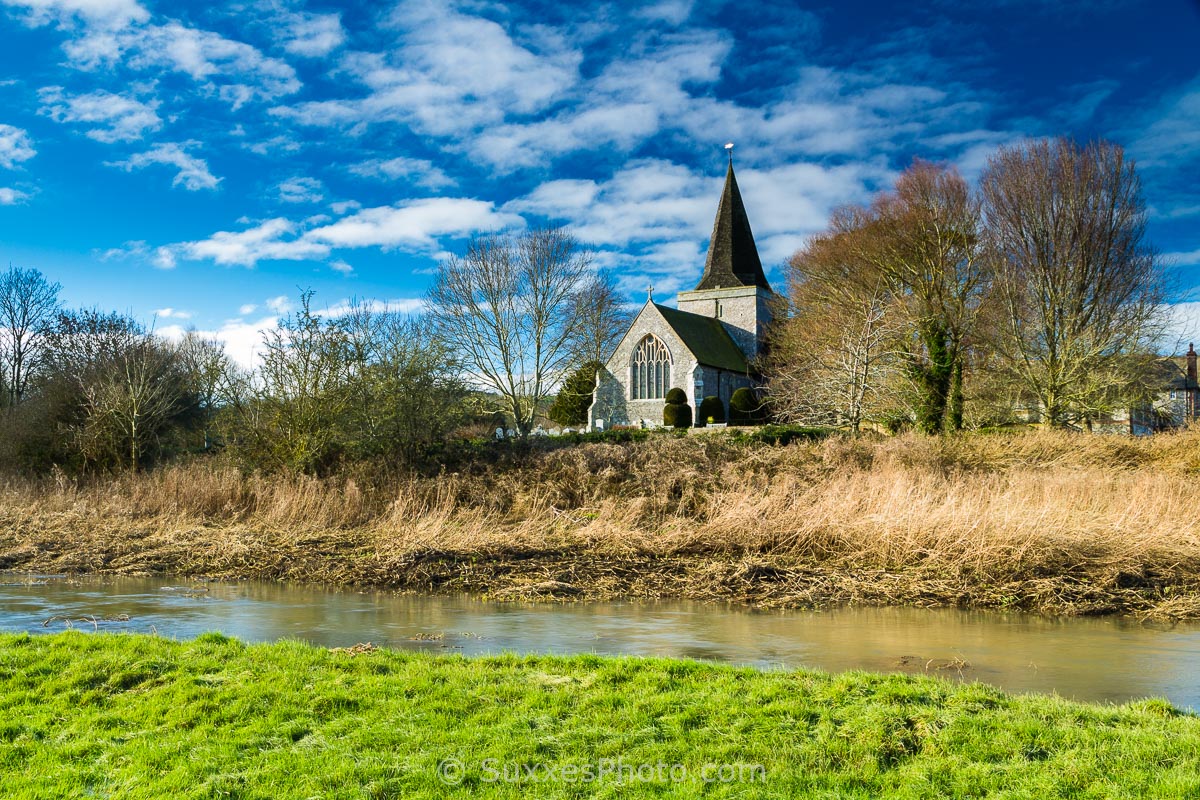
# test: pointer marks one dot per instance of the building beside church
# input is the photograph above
(706, 345)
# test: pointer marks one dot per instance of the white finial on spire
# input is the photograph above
(650, 293)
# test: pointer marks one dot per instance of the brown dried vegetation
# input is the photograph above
(1045, 521)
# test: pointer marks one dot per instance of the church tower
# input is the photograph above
(733, 288)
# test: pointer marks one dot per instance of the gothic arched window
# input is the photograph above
(650, 370)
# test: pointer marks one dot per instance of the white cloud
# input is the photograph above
(1183, 324)
(674, 12)
(242, 340)
(275, 145)
(420, 171)
(113, 117)
(15, 146)
(280, 305)
(311, 35)
(248, 308)
(452, 72)
(10, 196)
(233, 70)
(657, 215)
(414, 225)
(1169, 136)
(402, 305)
(272, 239)
(164, 258)
(172, 313)
(193, 172)
(1181, 259)
(301, 190)
(98, 12)
(342, 267)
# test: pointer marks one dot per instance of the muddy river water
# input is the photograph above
(1096, 659)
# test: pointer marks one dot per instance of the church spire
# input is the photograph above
(732, 257)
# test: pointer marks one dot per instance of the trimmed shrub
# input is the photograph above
(786, 434)
(710, 406)
(677, 397)
(745, 408)
(677, 415)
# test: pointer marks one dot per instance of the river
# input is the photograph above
(1094, 659)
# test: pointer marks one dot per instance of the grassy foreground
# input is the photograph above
(1042, 521)
(143, 717)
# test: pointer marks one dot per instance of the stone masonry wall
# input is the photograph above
(611, 401)
(745, 311)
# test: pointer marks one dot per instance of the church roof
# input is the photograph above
(706, 338)
(732, 256)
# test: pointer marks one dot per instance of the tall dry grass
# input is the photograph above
(1045, 520)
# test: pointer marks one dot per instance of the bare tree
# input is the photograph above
(603, 319)
(832, 361)
(924, 239)
(1081, 291)
(207, 367)
(28, 305)
(291, 411)
(119, 389)
(131, 401)
(508, 308)
(406, 391)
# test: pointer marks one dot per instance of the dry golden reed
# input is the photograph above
(1046, 521)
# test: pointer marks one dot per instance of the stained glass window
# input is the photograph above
(650, 370)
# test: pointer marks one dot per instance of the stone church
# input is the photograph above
(706, 345)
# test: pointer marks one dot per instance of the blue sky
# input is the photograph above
(198, 165)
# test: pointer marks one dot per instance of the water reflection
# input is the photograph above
(1088, 659)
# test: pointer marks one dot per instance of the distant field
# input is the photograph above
(1042, 521)
(98, 715)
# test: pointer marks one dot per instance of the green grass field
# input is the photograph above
(86, 715)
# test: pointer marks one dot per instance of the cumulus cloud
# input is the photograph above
(242, 340)
(15, 146)
(109, 117)
(1181, 259)
(301, 190)
(414, 225)
(655, 216)
(108, 13)
(280, 305)
(270, 240)
(235, 71)
(193, 173)
(11, 197)
(451, 72)
(311, 35)
(172, 313)
(402, 305)
(247, 308)
(419, 171)
(1183, 325)
(1169, 133)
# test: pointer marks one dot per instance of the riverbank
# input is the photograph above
(146, 717)
(1046, 522)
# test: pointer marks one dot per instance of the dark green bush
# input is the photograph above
(710, 406)
(677, 415)
(745, 408)
(677, 397)
(786, 434)
(575, 398)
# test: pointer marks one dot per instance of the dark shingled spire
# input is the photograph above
(732, 257)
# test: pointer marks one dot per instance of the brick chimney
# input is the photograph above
(1191, 365)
